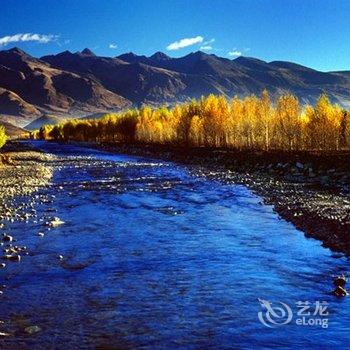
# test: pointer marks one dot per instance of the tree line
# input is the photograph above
(215, 121)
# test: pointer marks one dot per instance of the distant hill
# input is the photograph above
(13, 131)
(93, 116)
(44, 120)
(81, 83)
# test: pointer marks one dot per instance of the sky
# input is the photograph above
(314, 33)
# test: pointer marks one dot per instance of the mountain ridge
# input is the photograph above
(83, 83)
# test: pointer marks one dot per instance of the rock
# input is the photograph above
(324, 180)
(32, 330)
(56, 222)
(2, 265)
(7, 238)
(299, 165)
(41, 234)
(60, 257)
(311, 173)
(340, 292)
(12, 257)
(4, 335)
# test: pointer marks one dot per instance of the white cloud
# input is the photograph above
(113, 46)
(235, 53)
(208, 42)
(206, 47)
(40, 38)
(184, 43)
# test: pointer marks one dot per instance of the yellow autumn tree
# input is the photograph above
(253, 123)
(324, 125)
(265, 119)
(3, 137)
(288, 123)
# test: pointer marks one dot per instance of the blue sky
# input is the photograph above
(310, 32)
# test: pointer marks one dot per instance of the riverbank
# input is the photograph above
(310, 190)
(24, 171)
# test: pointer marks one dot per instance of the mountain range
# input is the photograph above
(78, 84)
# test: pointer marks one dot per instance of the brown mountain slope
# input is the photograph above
(137, 82)
(13, 131)
(245, 75)
(160, 78)
(143, 80)
(49, 88)
(12, 104)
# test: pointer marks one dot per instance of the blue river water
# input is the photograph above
(155, 257)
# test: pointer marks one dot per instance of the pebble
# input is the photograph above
(55, 222)
(299, 165)
(4, 335)
(32, 330)
(7, 238)
(12, 257)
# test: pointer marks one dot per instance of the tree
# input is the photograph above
(288, 123)
(3, 137)
(44, 132)
(56, 133)
(184, 115)
(248, 121)
(324, 125)
(344, 141)
(265, 116)
(251, 123)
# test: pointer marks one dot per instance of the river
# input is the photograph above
(155, 257)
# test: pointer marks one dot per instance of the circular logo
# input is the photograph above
(274, 315)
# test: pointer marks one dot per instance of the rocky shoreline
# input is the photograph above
(23, 171)
(27, 172)
(310, 190)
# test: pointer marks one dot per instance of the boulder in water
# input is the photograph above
(339, 283)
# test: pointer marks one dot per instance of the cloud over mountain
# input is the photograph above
(40, 38)
(180, 44)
